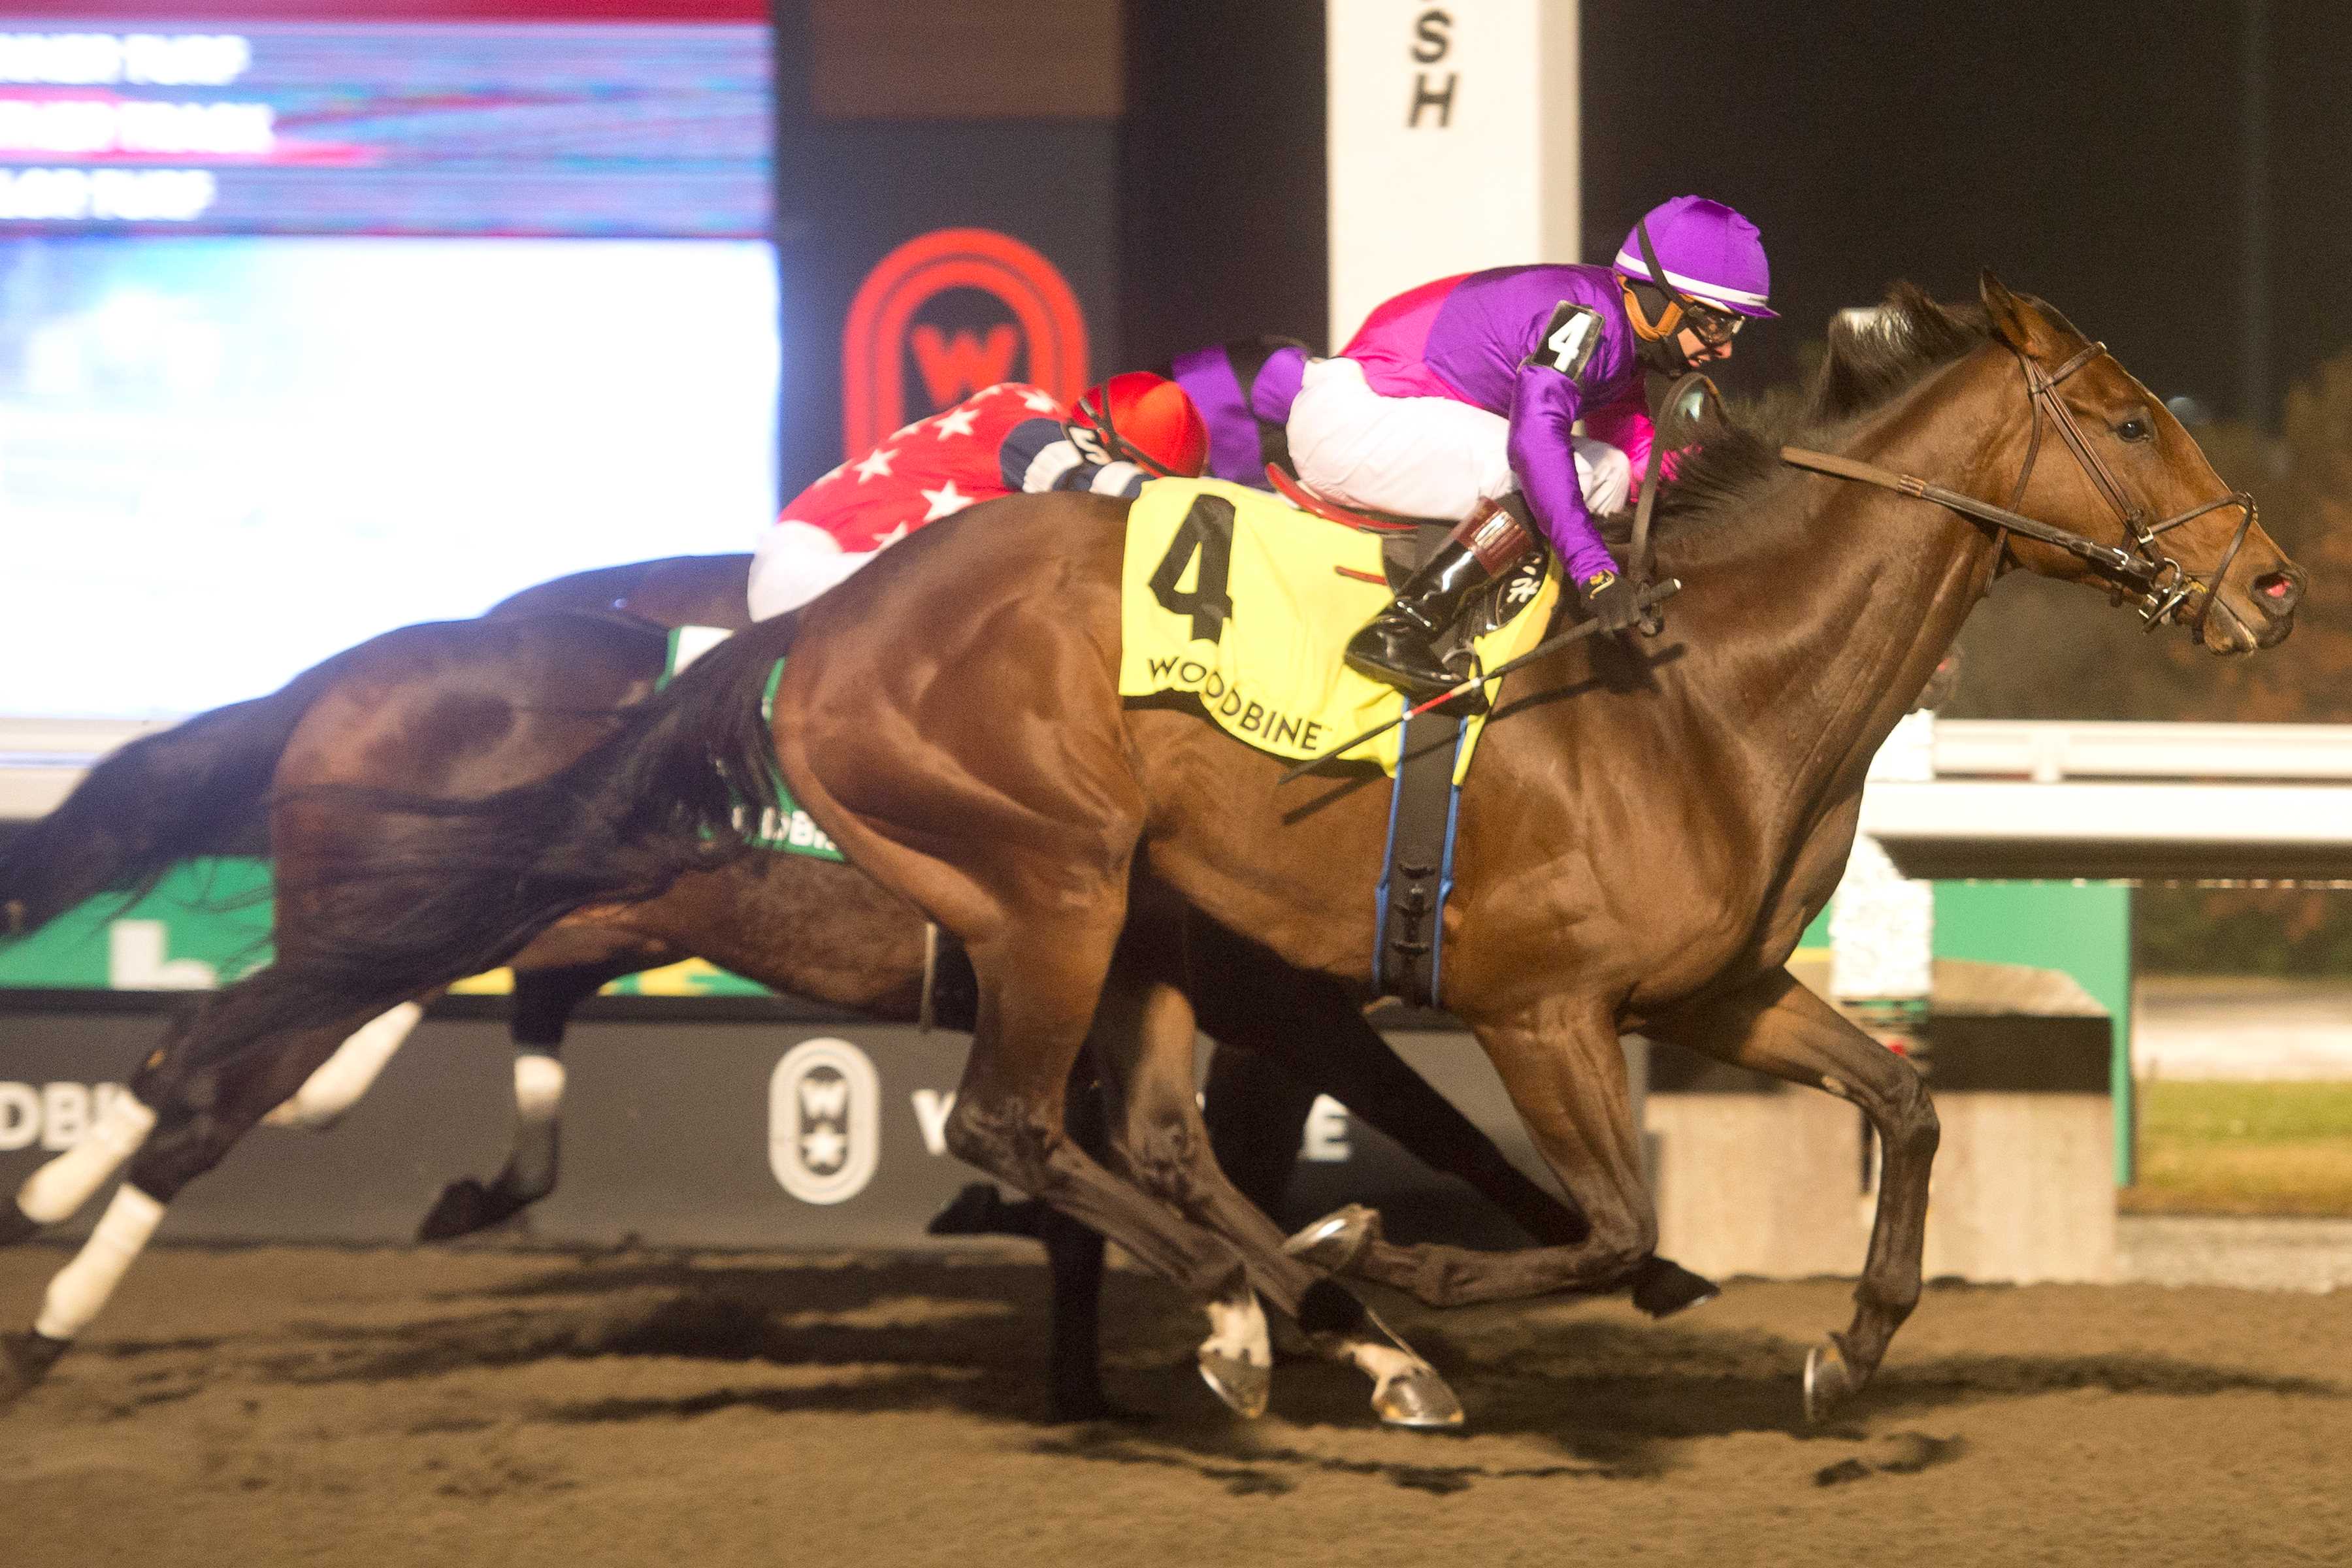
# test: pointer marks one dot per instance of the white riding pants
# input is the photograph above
(795, 562)
(1421, 456)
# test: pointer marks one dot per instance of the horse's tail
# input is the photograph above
(436, 888)
(201, 787)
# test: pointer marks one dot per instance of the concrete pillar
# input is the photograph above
(1453, 134)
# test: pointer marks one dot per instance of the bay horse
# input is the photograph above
(1644, 837)
(465, 708)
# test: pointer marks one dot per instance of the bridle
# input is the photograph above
(2160, 584)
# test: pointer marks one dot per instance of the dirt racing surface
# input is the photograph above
(289, 1405)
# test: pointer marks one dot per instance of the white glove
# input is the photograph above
(1604, 473)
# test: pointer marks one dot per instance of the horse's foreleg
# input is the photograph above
(200, 1115)
(1343, 1056)
(1778, 1026)
(543, 1001)
(1566, 1075)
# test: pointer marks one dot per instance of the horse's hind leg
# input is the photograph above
(344, 1078)
(1144, 1037)
(57, 1189)
(200, 1115)
(543, 1001)
(1778, 1026)
(1038, 997)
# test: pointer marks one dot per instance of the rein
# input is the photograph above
(1690, 392)
(2159, 581)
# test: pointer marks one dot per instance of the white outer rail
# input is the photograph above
(41, 760)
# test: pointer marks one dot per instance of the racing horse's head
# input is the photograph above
(2130, 480)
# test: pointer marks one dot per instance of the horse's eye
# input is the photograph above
(2136, 428)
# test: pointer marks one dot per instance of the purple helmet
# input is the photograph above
(1707, 251)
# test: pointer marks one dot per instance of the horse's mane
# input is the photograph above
(1873, 355)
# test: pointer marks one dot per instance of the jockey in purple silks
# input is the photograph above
(1243, 390)
(1464, 389)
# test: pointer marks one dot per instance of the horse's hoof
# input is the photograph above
(464, 1208)
(1666, 1288)
(1830, 1381)
(16, 1225)
(980, 1210)
(1338, 1239)
(25, 1359)
(1241, 1384)
(1418, 1399)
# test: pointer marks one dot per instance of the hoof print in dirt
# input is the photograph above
(1901, 1454)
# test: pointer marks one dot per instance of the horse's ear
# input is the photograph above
(2015, 320)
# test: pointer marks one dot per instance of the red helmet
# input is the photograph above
(1144, 419)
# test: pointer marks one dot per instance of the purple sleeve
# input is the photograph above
(1276, 386)
(1544, 403)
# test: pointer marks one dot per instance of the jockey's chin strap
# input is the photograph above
(2158, 580)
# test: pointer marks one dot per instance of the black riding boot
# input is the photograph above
(1399, 645)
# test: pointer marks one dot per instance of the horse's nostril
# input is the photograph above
(2278, 589)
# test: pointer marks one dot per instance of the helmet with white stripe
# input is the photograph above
(1706, 251)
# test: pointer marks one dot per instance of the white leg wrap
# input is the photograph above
(85, 1285)
(538, 1086)
(1381, 1362)
(58, 1189)
(1237, 1329)
(349, 1073)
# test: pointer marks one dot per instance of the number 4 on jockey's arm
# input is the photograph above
(1466, 390)
(1221, 409)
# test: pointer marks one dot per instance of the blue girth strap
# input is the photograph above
(1417, 869)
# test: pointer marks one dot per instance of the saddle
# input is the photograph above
(1503, 533)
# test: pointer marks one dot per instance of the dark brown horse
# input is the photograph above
(467, 708)
(1645, 834)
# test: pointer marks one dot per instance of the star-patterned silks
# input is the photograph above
(956, 421)
(946, 501)
(876, 464)
(1043, 400)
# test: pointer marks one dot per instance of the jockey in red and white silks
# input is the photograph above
(1003, 441)
(1466, 389)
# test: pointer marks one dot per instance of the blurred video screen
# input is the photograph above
(308, 330)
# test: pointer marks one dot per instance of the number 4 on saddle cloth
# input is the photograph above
(1234, 602)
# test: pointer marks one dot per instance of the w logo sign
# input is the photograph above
(963, 309)
(825, 1098)
(955, 367)
(824, 1121)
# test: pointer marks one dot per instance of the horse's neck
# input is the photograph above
(1842, 597)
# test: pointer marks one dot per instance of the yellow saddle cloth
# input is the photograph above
(1240, 600)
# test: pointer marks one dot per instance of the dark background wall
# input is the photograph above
(2093, 154)
(2096, 156)
(1222, 175)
